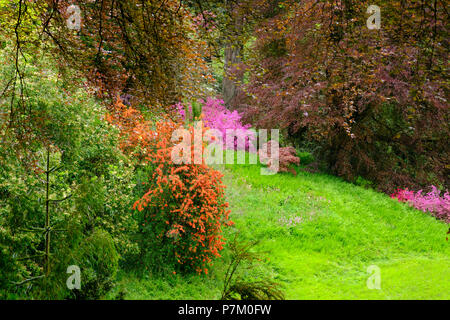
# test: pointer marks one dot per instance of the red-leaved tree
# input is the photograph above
(374, 101)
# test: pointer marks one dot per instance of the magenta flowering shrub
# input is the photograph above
(217, 116)
(180, 108)
(432, 202)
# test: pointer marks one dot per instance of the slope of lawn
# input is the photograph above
(344, 229)
(338, 231)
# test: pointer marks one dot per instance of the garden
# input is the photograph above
(224, 150)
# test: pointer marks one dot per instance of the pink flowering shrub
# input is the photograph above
(432, 202)
(217, 116)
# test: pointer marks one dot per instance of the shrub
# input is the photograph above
(360, 181)
(98, 261)
(305, 158)
(89, 171)
(240, 285)
(286, 157)
(216, 116)
(182, 210)
(432, 202)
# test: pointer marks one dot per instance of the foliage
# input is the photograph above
(182, 212)
(287, 156)
(81, 187)
(374, 101)
(242, 288)
(88, 171)
(360, 181)
(97, 258)
(216, 116)
(150, 49)
(432, 202)
(305, 157)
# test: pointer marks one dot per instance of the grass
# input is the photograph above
(343, 229)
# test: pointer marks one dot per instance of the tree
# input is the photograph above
(375, 101)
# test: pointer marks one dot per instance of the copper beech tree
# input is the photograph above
(148, 49)
(374, 101)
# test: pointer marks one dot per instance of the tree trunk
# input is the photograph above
(232, 58)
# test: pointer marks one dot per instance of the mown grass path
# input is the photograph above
(341, 230)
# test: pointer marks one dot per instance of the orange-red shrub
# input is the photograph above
(184, 208)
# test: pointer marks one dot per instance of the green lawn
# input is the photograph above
(343, 229)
